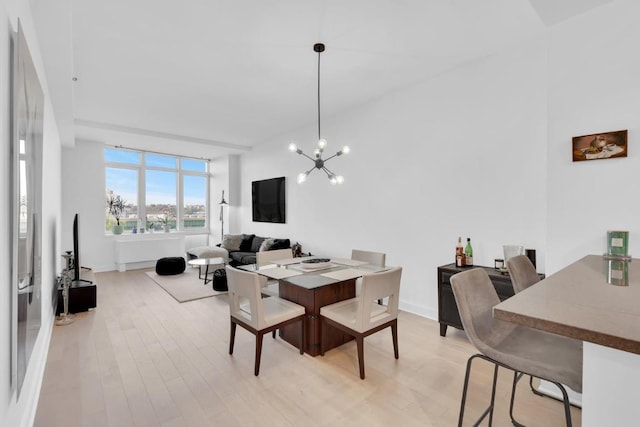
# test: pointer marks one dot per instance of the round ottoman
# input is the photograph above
(170, 266)
(220, 280)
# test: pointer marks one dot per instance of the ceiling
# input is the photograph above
(230, 74)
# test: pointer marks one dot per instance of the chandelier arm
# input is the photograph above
(310, 158)
(310, 170)
(329, 158)
(328, 172)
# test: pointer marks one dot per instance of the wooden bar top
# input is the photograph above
(577, 302)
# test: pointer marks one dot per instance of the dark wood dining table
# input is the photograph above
(312, 290)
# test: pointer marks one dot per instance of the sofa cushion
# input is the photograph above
(243, 258)
(231, 242)
(257, 241)
(266, 245)
(245, 245)
(280, 244)
(207, 252)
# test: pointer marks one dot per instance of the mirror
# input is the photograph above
(27, 140)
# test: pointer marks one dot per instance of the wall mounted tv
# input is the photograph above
(268, 200)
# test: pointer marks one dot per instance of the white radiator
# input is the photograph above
(146, 249)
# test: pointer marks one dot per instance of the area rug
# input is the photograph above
(186, 286)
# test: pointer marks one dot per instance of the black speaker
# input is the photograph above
(531, 254)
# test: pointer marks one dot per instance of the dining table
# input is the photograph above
(314, 285)
(579, 302)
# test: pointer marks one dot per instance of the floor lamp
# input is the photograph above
(222, 204)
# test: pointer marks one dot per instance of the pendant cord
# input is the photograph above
(319, 136)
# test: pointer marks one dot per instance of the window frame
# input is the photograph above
(142, 169)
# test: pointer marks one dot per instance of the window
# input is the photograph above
(158, 190)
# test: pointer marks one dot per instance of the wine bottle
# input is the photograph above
(460, 257)
(468, 253)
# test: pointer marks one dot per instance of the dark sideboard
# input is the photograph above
(448, 309)
(82, 295)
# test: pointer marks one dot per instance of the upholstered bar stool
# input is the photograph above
(523, 350)
(523, 273)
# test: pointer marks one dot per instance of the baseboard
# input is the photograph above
(419, 310)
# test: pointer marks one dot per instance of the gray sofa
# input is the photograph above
(243, 250)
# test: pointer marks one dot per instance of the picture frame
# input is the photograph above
(598, 146)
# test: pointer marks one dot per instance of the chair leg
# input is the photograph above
(567, 404)
(516, 377)
(360, 344)
(232, 337)
(394, 335)
(565, 401)
(493, 394)
(302, 336)
(259, 336)
(273, 334)
(489, 409)
(322, 328)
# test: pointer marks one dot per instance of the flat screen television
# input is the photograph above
(76, 253)
(268, 200)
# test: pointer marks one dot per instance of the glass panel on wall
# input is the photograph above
(194, 165)
(157, 160)
(124, 183)
(195, 201)
(160, 199)
(121, 156)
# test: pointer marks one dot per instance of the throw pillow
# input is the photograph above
(266, 245)
(256, 243)
(231, 242)
(280, 244)
(245, 245)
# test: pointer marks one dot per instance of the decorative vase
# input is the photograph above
(117, 229)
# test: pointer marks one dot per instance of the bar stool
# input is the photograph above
(523, 350)
(523, 273)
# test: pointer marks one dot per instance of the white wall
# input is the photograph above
(594, 88)
(460, 155)
(14, 412)
(83, 193)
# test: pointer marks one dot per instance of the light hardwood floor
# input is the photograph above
(143, 359)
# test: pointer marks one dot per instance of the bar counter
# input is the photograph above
(578, 302)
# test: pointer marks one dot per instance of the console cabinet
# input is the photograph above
(448, 309)
(82, 294)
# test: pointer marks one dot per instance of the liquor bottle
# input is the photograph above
(460, 258)
(468, 253)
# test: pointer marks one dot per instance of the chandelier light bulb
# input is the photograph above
(346, 149)
(317, 152)
(293, 147)
(302, 177)
(339, 179)
(322, 143)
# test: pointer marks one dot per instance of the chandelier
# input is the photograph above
(318, 161)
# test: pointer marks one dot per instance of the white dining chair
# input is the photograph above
(255, 314)
(373, 258)
(361, 316)
(268, 257)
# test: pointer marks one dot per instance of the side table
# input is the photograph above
(217, 262)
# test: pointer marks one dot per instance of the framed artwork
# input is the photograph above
(598, 146)
(26, 210)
